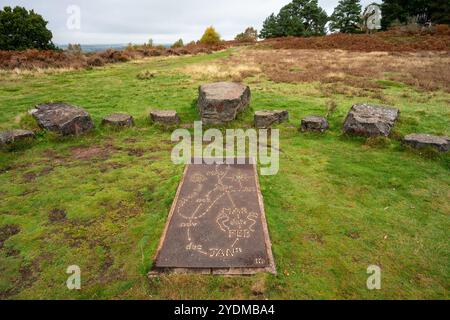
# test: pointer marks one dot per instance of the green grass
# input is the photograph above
(337, 205)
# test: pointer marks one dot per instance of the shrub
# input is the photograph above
(34, 59)
(74, 49)
(146, 75)
(377, 142)
(249, 35)
(210, 37)
(178, 44)
(95, 61)
(442, 30)
(21, 29)
(331, 108)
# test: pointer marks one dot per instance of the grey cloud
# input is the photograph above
(165, 21)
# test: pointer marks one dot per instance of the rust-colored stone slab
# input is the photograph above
(217, 223)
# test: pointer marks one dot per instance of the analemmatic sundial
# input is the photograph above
(217, 223)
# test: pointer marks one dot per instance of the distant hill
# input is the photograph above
(96, 47)
(87, 48)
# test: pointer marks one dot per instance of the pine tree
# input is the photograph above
(178, 44)
(346, 16)
(403, 11)
(440, 11)
(270, 28)
(392, 11)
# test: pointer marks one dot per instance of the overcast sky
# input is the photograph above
(165, 21)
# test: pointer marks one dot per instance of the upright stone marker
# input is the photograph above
(220, 103)
(217, 224)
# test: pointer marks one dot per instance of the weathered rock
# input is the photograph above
(166, 117)
(315, 124)
(419, 141)
(265, 119)
(16, 135)
(369, 120)
(63, 118)
(118, 120)
(220, 102)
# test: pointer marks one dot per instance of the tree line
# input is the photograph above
(307, 18)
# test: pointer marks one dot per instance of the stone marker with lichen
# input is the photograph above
(165, 117)
(63, 118)
(419, 141)
(221, 102)
(314, 124)
(118, 120)
(16, 135)
(265, 119)
(370, 120)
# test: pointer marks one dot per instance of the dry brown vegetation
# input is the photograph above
(397, 40)
(41, 60)
(400, 39)
(340, 71)
(225, 70)
(425, 70)
(355, 65)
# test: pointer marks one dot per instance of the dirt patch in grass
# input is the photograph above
(130, 140)
(259, 287)
(52, 154)
(12, 167)
(28, 274)
(353, 234)
(89, 153)
(105, 274)
(104, 167)
(53, 158)
(11, 252)
(137, 152)
(57, 215)
(314, 237)
(45, 171)
(7, 231)
(29, 177)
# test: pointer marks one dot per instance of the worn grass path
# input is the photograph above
(101, 201)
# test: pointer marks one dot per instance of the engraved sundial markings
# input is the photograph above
(217, 221)
(234, 216)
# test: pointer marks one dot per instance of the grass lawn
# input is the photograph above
(338, 204)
